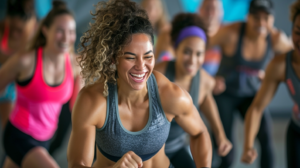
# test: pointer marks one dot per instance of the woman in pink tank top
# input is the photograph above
(16, 29)
(45, 78)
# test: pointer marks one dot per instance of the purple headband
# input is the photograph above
(190, 31)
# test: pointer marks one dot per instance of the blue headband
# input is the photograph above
(190, 31)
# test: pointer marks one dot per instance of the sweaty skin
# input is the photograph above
(90, 113)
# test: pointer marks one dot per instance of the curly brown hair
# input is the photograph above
(115, 22)
(294, 10)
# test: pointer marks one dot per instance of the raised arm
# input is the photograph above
(209, 108)
(281, 43)
(274, 75)
(177, 103)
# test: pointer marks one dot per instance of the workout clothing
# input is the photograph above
(38, 105)
(177, 139)
(293, 84)
(114, 140)
(241, 75)
(17, 144)
(293, 132)
(212, 61)
(242, 84)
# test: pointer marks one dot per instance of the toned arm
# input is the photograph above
(178, 104)
(275, 74)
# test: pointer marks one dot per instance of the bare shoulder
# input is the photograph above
(207, 80)
(90, 106)
(25, 59)
(172, 97)
(161, 67)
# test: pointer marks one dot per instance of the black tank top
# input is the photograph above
(293, 84)
(177, 136)
(241, 75)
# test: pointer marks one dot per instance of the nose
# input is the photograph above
(65, 36)
(193, 59)
(140, 63)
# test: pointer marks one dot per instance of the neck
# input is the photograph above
(130, 96)
(51, 55)
(180, 76)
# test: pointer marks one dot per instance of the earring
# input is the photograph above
(113, 66)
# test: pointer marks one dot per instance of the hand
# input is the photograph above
(220, 85)
(249, 156)
(261, 74)
(129, 160)
(270, 24)
(225, 147)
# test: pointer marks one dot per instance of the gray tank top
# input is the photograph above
(293, 85)
(177, 136)
(113, 140)
(241, 75)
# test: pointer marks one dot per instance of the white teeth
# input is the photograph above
(138, 75)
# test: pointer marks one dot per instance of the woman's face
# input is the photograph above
(260, 22)
(21, 30)
(154, 10)
(61, 35)
(296, 34)
(190, 55)
(136, 64)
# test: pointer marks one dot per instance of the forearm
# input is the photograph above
(252, 124)
(201, 149)
(215, 122)
(210, 111)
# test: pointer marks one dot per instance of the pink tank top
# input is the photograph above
(38, 105)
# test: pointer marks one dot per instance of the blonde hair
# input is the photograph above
(115, 22)
(294, 10)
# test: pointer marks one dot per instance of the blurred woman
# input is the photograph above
(128, 110)
(283, 68)
(15, 31)
(247, 47)
(44, 76)
(189, 39)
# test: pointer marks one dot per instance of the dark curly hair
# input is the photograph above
(184, 20)
(115, 22)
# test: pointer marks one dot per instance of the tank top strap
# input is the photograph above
(194, 89)
(238, 52)
(170, 71)
(38, 74)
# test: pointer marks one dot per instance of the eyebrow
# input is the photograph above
(130, 53)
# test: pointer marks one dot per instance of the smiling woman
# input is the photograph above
(44, 74)
(130, 105)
